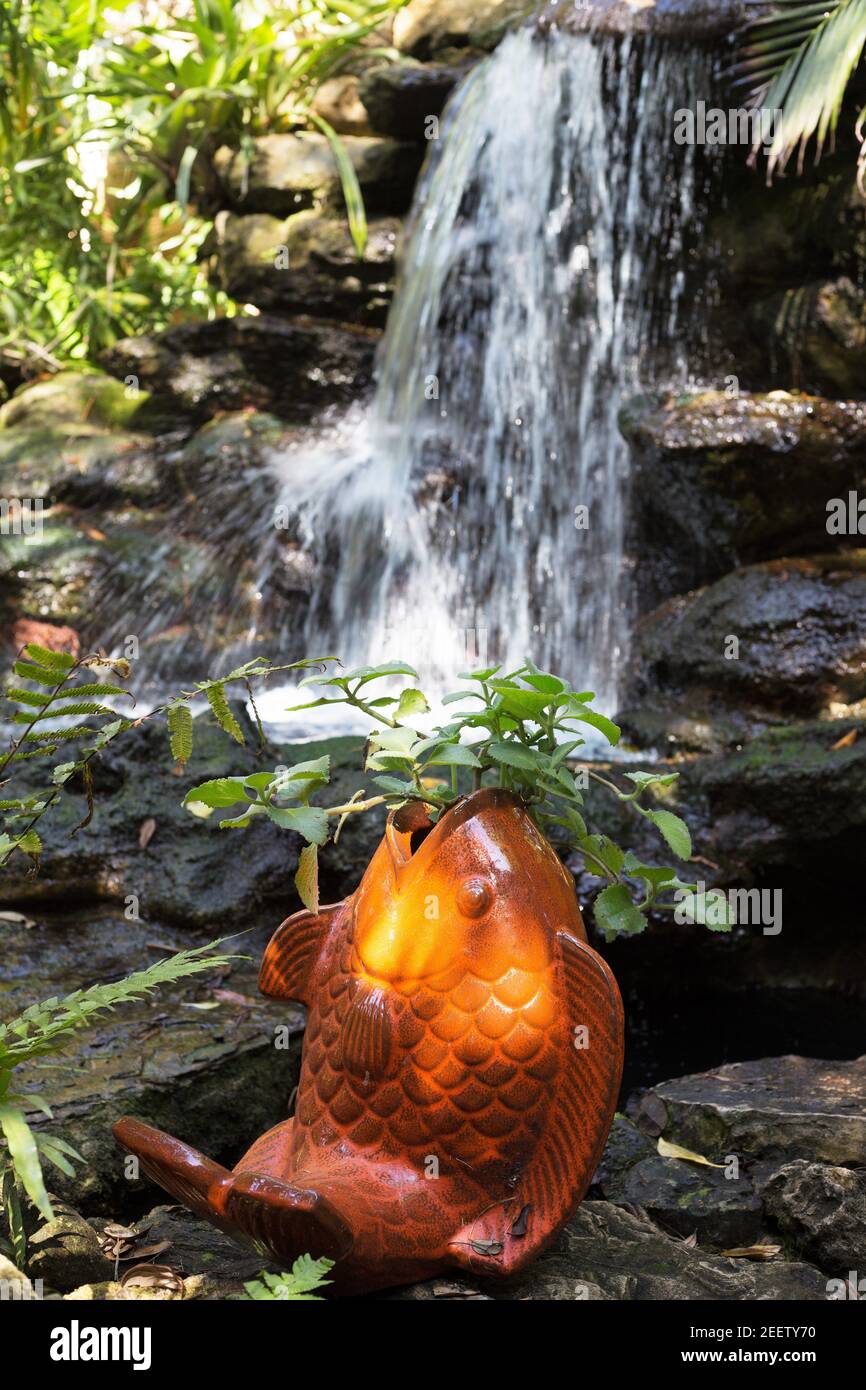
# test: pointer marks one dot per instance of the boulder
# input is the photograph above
(782, 639)
(758, 808)
(287, 173)
(683, 1198)
(307, 264)
(722, 481)
(73, 396)
(779, 1107)
(187, 873)
(81, 464)
(401, 97)
(65, 1251)
(822, 1211)
(426, 28)
(294, 370)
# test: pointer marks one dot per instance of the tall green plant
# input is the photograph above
(521, 731)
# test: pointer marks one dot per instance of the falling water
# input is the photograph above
(476, 510)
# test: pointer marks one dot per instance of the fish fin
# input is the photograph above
(276, 1218)
(366, 1036)
(584, 1100)
(291, 953)
(196, 1181)
(286, 1221)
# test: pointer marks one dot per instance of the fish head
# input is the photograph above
(481, 889)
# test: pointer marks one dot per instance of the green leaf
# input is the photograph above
(221, 791)
(649, 779)
(307, 878)
(521, 704)
(601, 722)
(481, 675)
(180, 729)
(307, 1275)
(450, 755)
(27, 672)
(25, 1157)
(411, 702)
(515, 755)
(58, 661)
(604, 849)
(710, 909)
(616, 914)
(352, 194)
(309, 821)
(216, 698)
(363, 674)
(675, 832)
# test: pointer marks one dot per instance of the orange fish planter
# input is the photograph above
(460, 1071)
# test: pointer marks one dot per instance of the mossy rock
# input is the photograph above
(87, 397)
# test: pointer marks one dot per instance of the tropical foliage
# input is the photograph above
(45, 1030)
(109, 113)
(799, 57)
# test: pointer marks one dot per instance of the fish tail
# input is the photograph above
(279, 1220)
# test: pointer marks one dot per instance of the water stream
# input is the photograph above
(476, 510)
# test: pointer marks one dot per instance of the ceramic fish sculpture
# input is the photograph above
(461, 1064)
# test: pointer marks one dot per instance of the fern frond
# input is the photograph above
(180, 733)
(216, 698)
(48, 1026)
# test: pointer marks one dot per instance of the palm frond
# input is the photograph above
(799, 59)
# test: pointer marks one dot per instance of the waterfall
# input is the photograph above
(475, 511)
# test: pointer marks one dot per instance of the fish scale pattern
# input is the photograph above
(473, 1065)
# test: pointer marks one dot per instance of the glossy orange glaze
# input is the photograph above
(445, 1116)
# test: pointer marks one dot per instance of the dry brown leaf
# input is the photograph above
(668, 1150)
(845, 741)
(754, 1252)
(159, 1278)
(147, 1252)
(145, 832)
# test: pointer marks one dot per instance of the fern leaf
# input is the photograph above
(54, 661)
(216, 698)
(180, 732)
(27, 697)
(28, 672)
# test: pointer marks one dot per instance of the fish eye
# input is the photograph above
(474, 897)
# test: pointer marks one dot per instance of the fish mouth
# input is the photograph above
(412, 837)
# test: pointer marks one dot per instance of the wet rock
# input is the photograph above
(401, 97)
(75, 396)
(293, 370)
(65, 1252)
(609, 1252)
(287, 173)
(683, 1198)
(201, 1065)
(778, 1107)
(426, 28)
(188, 873)
(759, 807)
(722, 481)
(782, 639)
(307, 264)
(693, 20)
(822, 1211)
(81, 464)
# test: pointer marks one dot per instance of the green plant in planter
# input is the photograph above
(519, 730)
(44, 1030)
